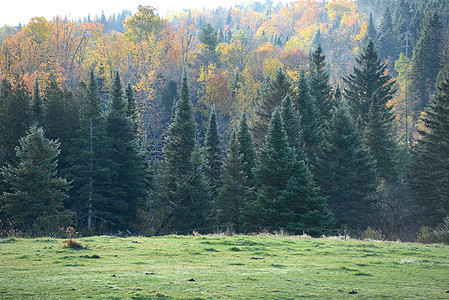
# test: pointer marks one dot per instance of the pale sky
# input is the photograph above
(14, 11)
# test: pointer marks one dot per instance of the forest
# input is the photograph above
(312, 117)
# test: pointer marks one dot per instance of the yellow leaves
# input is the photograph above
(38, 29)
(346, 10)
(271, 65)
(144, 23)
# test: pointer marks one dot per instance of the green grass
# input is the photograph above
(239, 267)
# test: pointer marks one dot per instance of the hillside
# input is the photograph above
(216, 266)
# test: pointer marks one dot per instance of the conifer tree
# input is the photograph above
(213, 155)
(287, 197)
(89, 165)
(38, 106)
(34, 199)
(378, 137)
(128, 165)
(426, 60)
(319, 84)
(15, 117)
(371, 32)
(430, 165)
(234, 192)
(389, 42)
(345, 170)
(368, 81)
(310, 119)
(184, 190)
(273, 92)
(246, 150)
(292, 126)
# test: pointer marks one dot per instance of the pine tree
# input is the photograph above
(184, 191)
(208, 36)
(371, 32)
(34, 199)
(246, 150)
(15, 117)
(319, 84)
(287, 197)
(234, 193)
(345, 170)
(128, 165)
(38, 106)
(379, 139)
(272, 94)
(426, 60)
(367, 83)
(292, 126)
(310, 119)
(89, 165)
(430, 167)
(389, 42)
(213, 155)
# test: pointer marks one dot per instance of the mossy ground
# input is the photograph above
(238, 267)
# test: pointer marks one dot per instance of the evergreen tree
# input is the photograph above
(426, 60)
(169, 97)
(183, 191)
(272, 94)
(128, 165)
(371, 32)
(38, 106)
(310, 119)
(430, 167)
(247, 151)
(368, 81)
(389, 41)
(379, 139)
(319, 84)
(34, 199)
(89, 165)
(234, 192)
(292, 126)
(208, 36)
(345, 170)
(213, 155)
(288, 197)
(15, 117)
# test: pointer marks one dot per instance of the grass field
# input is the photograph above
(215, 266)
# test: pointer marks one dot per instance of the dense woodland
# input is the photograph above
(314, 117)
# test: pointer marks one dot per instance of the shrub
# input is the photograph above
(442, 232)
(427, 236)
(73, 245)
(372, 234)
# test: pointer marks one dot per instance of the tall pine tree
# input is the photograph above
(127, 163)
(430, 167)
(34, 199)
(288, 197)
(345, 170)
(213, 155)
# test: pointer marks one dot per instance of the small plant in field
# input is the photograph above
(442, 233)
(71, 244)
(372, 234)
(427, 236)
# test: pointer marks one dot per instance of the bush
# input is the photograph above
(442, 232)
(73, 245)
(427, 236)
(372, 234)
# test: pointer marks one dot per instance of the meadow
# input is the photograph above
(221, 267)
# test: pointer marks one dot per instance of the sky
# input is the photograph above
(21, 11)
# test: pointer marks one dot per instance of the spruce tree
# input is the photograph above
(345, 170)
(234, 192)
(319, 84)
(213, 155)
(310, 119)
(38, 106)
(426, 60)
(15, 117)
(246, 150)
(292, 126)
(89, 165)
(34, 199)
(287, 197)
(368, 81)
(273, 92)
(184, 190)
(127, 163)
(430, 165)
(389, 42)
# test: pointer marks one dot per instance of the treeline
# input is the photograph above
(260, 135)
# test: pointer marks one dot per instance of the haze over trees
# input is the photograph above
(310, 117)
